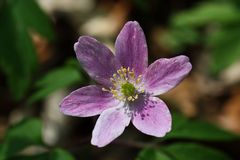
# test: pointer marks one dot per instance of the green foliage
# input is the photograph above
(59, 154)
(225, 46)
(21, 135)
(197, 130)
(56, 154)
(24, 134)
(176, 39)
(184, 128)
(37, 21)
(152, 154)
(56, 79)
(182, 151)
(206, 13)
(192, 151)
(178, 120)
(18, 19)
(215, 25)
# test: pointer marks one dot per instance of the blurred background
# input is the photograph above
(38, 69)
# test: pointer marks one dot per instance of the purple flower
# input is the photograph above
(127, 86)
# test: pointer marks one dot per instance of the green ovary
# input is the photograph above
(128, 89)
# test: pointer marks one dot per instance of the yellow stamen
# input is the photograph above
(122, 77)
(139, 79)
(136, 96)
(130, 98)
(105, 90)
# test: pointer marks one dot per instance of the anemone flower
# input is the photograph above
(126, 87)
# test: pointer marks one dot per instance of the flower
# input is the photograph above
(127, 86)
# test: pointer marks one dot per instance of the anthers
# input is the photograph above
(126, 85)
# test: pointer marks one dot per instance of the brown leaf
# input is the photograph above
(230, 117)
(185, 96)
(44, 51)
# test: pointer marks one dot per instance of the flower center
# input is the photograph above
(128, 89)
(126, 85)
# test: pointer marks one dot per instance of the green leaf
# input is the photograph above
(37, 21)
(152, 154)
(224, 44)
(56, 154)
(176, 39)
(207, 13)
(18, 60)
(192, 151)
(43, 156)
(27, 132)
(29, 129)
(60, 154)
(197, 130)
(56, 79)
(178, 120)
(182, 151)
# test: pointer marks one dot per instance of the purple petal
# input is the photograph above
(164, 74)
(110, 124)
(131, 47)
(96, 59)
(152, 117)
(87, 101)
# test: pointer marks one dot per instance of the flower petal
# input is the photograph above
(110, 124)
(152, 117)
(87, 101)
(164, 74)
(131, 47)
(96, 59)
